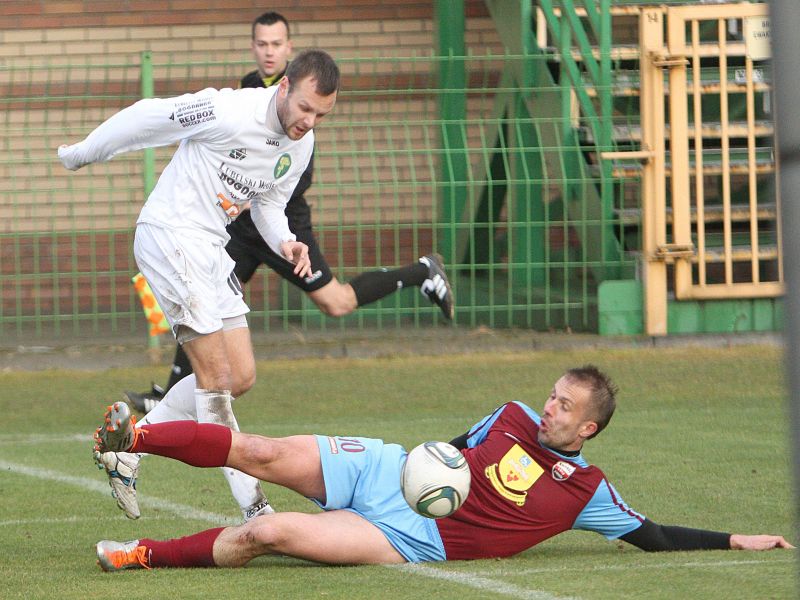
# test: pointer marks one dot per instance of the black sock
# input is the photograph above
(181, 367)
(374, 285)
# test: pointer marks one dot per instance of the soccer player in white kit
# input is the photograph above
(236, 148)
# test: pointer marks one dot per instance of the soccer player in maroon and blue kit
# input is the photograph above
(529, 483)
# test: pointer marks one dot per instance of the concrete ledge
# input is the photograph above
(97, 355)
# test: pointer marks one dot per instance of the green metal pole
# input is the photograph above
(149, 158)
(452, 112)
(529, 170)
(610, 255)
(148, 91)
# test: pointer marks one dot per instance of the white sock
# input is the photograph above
(178, 405)
(215, 407)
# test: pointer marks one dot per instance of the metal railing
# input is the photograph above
(712, 152)
(67, 237)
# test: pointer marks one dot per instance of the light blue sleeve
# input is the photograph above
(607, 514)
(477, 433)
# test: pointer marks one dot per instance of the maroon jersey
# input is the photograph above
(523, 493)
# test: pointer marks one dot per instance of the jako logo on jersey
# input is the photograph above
(238, 153)
(283, 164)
(275, 143)
(313, 277)
(514, 475)
(562, 470)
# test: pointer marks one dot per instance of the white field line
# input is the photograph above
(188, 512)
(492, 585)
(479, 582)
(43, 521)
(182, 510)
(648, 566)
(13, 439)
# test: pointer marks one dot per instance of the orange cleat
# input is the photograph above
(116, 556)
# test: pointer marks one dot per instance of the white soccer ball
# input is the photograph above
(435, 479)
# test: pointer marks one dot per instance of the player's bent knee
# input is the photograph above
(334, 308)
(264, 535)
(335, 299)
(243, 384)
(243, 377)
(237, 546)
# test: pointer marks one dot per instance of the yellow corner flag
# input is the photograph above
(152, 311)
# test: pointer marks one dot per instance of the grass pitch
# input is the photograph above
(699, 439)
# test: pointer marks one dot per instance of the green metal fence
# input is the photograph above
(521, 248)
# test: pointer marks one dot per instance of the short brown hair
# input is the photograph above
(603, 393)
(317, 64)
(269, 18)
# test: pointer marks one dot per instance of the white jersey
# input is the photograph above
(232, 150)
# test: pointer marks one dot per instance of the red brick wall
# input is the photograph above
(40, 14)
(83, 273)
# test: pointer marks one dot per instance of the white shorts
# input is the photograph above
(192, 280)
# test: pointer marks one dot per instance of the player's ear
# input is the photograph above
(283, 86)
(588, 429)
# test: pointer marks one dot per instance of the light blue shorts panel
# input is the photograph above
(363, 475)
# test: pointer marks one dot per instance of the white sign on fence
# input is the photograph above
(757, 37)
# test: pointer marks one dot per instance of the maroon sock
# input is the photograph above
(191, 551)
(196, 444)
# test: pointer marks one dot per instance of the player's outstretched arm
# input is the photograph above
(652, 537)
(758, 542)
(148, 123)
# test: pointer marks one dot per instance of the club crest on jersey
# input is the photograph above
(238, 153)
(514, 475)
(562, 470)
(283, 164)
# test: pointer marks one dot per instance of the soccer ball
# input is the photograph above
(435, 479)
